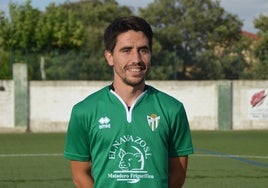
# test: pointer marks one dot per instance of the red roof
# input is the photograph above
(250, 35)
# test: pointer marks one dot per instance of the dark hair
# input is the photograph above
(124, 24)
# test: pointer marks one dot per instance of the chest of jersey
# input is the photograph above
(130, 141)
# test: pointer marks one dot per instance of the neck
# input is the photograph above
(128, 93)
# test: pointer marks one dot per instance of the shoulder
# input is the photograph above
(91, 100)
(163, 97)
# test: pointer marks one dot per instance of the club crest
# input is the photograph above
(153, 121)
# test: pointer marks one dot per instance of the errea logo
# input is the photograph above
(104, 123)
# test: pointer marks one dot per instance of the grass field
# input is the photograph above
(222, 159)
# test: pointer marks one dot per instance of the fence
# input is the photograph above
(45, 106)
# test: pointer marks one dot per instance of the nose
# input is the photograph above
(136, 56)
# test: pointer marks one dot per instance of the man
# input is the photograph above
(128, 134)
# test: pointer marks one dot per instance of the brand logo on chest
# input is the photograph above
(104, 123)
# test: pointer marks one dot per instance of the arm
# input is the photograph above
(177, 171)
(81, 174)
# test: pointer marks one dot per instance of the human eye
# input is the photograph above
(125, 50)
(144, 50)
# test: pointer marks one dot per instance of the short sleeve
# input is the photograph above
(180, 142)
(77, 142)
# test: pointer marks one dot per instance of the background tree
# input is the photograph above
(5, 70)
(261, 48)
(193, 29)
(29, 31)
(17, 32)
(193, 39)
(95, 16)
(57, 32)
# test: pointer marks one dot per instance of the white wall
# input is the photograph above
(7, 104)
(242, 110)
(51, 102)
(199, 98)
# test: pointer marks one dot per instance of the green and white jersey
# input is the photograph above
(128, 147)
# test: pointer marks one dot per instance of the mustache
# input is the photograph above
(139, 64)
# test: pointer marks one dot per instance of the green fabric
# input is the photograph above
(128, 147)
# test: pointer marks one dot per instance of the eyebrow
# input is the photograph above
(125, 48)
(131, 47)
(144, 47)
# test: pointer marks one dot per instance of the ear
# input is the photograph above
(109, 57)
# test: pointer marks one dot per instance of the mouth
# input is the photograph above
(136, 68)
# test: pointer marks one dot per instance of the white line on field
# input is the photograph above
(237, 156)
(60, 154)
(32, 155)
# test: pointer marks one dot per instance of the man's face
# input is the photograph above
(131, 58)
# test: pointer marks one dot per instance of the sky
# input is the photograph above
(247, 10)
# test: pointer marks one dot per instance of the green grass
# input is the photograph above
(213, 167)
(33, 171)
(222, 159)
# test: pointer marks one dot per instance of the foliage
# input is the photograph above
(62, 30)
(58, 28)
(89, 62)
(193, 39)
(30, 31)
(77, 65)
(5, 72)
(22, 26)
(195, 28)
(261, 48)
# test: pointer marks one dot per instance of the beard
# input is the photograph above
(132, 82)
(133, 78)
